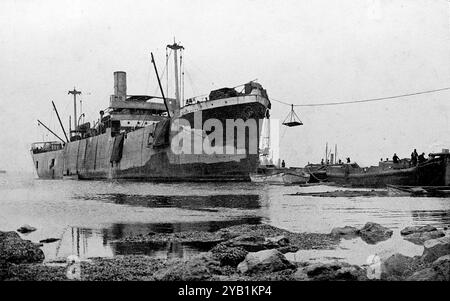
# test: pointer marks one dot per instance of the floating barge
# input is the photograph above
(280, 176)
(133, 137)
(433, 172)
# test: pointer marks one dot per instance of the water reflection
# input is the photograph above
(433, 217)
(117, 231)
(87, 243)
(190, 202)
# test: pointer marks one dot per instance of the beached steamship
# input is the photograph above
(133, 137)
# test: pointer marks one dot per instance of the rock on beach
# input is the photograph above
(14, 249)
(346, 231)
(435, 248)
(330, 271)
(202, 267)
(395, 266)
(26, 229)
(438, 271)
(230, 256)
(373, 233)
(417, 229)
(266, 260)
(419, 234)
(421, 237)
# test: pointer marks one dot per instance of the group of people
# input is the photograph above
(338, 162)
(415, 158)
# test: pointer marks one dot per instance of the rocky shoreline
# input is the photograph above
(244, 252)
(256, 235)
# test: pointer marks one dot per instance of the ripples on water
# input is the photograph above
(89, 215)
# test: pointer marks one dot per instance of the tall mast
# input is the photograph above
(335, 153)
(75, 93)
(175, 47)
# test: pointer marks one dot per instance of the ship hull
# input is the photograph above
(381, 179)
(435, 172)
(91, 158)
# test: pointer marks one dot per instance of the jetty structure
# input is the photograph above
(157, 138)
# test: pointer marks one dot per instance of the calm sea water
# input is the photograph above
(89, 215)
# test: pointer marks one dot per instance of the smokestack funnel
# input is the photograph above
(120, 85)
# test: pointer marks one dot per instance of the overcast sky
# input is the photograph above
(301, 51)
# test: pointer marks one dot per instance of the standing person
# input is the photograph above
(421, 158)
(414, 157)
(348, 160)
(283, 164)
(395, 158)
